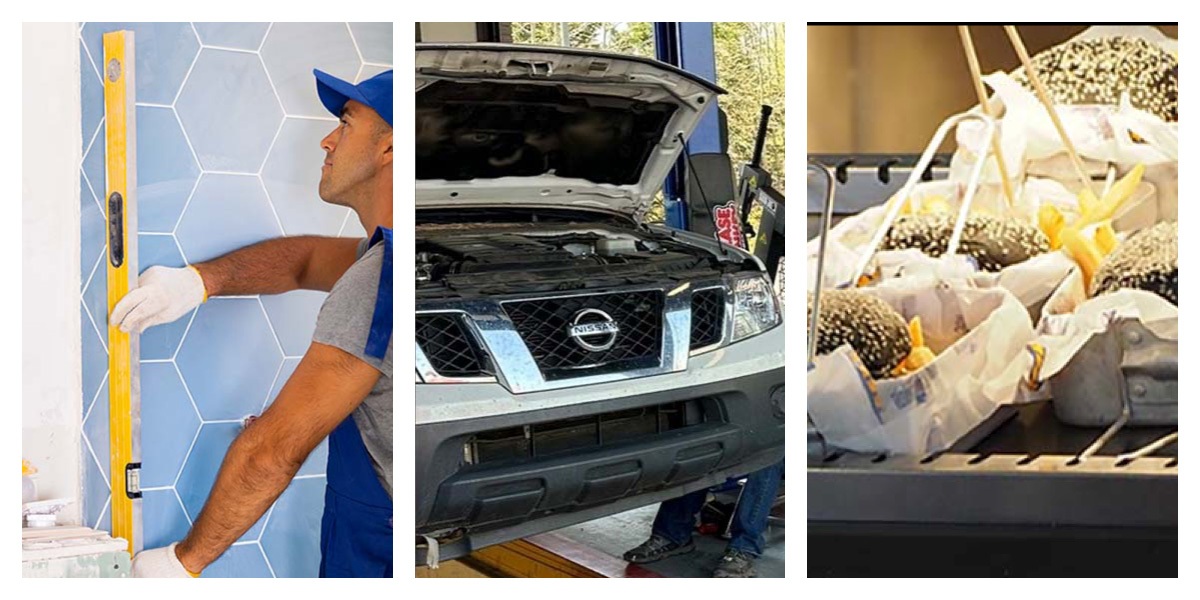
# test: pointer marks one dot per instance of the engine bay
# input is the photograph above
(458, 262)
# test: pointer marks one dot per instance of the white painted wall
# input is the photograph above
(51, 369)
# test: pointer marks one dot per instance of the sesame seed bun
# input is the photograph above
(994, 243)
(1148, 260)
(876, 332)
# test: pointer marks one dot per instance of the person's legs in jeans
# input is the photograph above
(750, 519)
(676, 518)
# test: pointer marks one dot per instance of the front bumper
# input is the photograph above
(470, 506)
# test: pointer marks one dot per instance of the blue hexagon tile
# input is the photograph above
(227, 212)
(243, 560)
(294, 316)
(164, 51)
(95, 296)
(93, 163)
(243, 36)
(169, 424)
(95, 490)
(161, 341)
(91, 92)
(229, 358)
(229, 111)
(92, 231)
(374, 41)
(95, 428)
(292, 174)
(293, 50)
(95, 357)
(163, 519)
(288, 538)
(166, 169)
(200, 471)
(369, 71)
(353, 228)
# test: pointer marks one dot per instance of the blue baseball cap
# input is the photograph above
(375, 92)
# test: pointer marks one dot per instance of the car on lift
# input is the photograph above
(573, 359)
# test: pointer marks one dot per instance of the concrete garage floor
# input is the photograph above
(615, 534)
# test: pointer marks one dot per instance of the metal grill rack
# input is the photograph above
(1010, 498)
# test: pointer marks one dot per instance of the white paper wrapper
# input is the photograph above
(1071, 318)
(976, 335)
(1031, 144)
(1031, 282)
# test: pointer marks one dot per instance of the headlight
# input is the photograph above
(754, 306)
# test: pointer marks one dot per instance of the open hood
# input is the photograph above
(502, 124)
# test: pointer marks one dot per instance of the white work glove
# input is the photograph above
(163, 295)
(159, 562)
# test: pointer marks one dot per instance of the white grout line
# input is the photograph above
(188, 75)
(274, 90)
(239, 173)
(273, 334)
(268, 561)
(315, 476)
(91, 61)
(242, 297)
(222, 421)
(162, 233)
(95, 268)
(95, 327)
(186, 457)
(266, 34)
(180, 501)
(345, 220)
(95, 135)
(311, 118)
(186, 204)
(375, 64)
(355, 42)
(196, 32)
(358, 76)
(271, 205)
(153, 361)
(228, 49)
(161, 488)
(267, 156)
(103, 511)
(152, 105)
(244, 543)
(91, 190)
(95, 397)
(175, 239)
(278, 372)
(267, 520)
(184, 336)
(96, 458)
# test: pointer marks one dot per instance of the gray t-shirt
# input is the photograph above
(345, 322)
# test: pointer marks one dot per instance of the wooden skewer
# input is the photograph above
(964, 32)
(1044, 96)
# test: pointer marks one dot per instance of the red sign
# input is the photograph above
(729, 229)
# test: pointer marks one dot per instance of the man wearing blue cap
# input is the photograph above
(342, 388)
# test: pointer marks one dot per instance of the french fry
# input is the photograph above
(1051, 222)
(1084, 252)
(1106, 238)
(915, 332)
(1121, 191)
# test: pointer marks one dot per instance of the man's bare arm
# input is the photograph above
(326, 387)
(305, 262)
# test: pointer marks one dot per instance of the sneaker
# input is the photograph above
(735, 564)
(657, 547)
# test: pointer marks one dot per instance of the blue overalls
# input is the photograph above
(356, 529)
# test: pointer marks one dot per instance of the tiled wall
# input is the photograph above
(228, 127)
